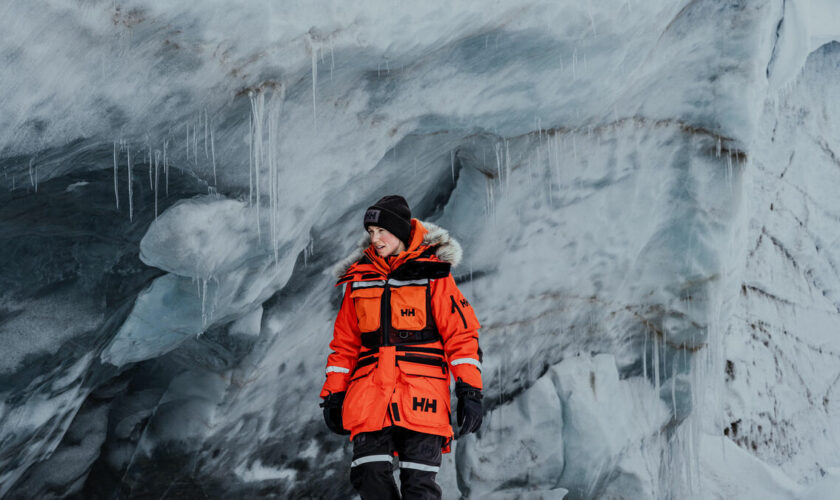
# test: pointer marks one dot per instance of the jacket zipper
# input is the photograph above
(456, 308)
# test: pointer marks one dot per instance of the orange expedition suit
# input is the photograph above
(402, 328)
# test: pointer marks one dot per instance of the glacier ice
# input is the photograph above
(644, 192)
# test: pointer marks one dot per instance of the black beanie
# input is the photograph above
(391, 213)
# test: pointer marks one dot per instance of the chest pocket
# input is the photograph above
(367, 303)
(409, 307)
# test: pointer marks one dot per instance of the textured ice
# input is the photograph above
(220, 271)
(644, 192)
(609, 425)
(202, 238)
(528, 433)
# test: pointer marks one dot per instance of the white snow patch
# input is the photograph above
(256, 471)
(75, 186)
(727, 471)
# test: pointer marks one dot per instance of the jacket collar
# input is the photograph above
(424, 235)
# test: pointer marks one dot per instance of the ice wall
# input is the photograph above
(179, 180)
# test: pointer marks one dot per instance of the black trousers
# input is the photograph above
(372, 469)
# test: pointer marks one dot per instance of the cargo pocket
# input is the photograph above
(408, 307)
(367, 304)
(360, 400)
(425, 392)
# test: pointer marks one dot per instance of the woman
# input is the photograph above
(402, 328)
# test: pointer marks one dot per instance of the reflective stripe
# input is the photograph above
(368, 284)
(415, 465)
(468, 361)
(372, 458)
(394, 282)
(338, 369)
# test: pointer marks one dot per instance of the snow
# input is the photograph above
(720, 457)
(258, 472)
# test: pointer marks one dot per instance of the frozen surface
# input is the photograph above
(645, 193)
(220, 270)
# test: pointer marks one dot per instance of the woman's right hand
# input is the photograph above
(332, 413)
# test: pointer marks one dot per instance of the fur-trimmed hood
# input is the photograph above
(448, 248)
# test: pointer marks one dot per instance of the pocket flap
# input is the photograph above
(363, 370)
(366, 293)
(423, 366)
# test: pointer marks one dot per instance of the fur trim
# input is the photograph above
(344, 264)
(448, 248)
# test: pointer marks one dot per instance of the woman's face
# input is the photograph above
(384, 242)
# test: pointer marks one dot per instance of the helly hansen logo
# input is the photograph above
(424, 404)
(464, 303)
(372, 215)
(407, 312)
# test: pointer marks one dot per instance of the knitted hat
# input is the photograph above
(391, 213)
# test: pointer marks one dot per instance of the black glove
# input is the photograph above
(332, 412)
(469, 410)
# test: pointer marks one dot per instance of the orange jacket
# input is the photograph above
(402, 328)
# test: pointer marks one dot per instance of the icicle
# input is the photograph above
(718, 148)
(151, 161)
(157, 175)
(451, 164)
(332, 60)
(31, 178)
(548, 166)
(557, 149)
(203, 302)
(187, 142)
(498, 148)
(656, 375)
(314, 87)
(539, 147)
(130, 188)
(507, 165)
(674, 388)
(166, 166)
(213, 156)
(272, 181)
(729, 171)
(257, 110)
(206, 119)
(116, 191)
(195, 140)
(251, 152)
(644, 357)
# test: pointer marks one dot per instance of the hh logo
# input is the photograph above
(464, 303)
(424, 404)
(407, 312)
(372, 215)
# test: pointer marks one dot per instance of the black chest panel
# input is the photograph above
(404, 304)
